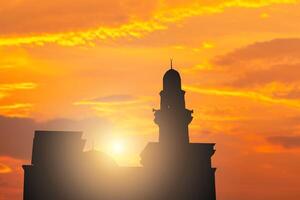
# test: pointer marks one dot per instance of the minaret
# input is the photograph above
(173, 118)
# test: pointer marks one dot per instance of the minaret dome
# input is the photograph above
(171, 81)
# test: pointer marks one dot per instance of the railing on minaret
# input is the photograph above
(173, 118)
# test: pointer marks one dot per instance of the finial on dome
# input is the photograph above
(171, 61)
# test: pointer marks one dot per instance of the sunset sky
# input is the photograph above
(97, 66)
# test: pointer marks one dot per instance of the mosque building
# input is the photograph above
(171, 169)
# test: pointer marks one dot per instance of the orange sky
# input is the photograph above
(97, 66)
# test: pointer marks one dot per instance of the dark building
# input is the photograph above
(172, 168)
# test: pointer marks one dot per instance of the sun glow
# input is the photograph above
(117, 147)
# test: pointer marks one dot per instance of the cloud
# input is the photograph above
(7, 88)
(113, 104)
(267, 71)
(262, 63)
(294, 93)
(115, 98)
(16, 110)
(285, 141)
(67, 15)
(11, 178)
(243, 94)
(17, 86)
(70, 23)
(286, 73)
(4, 169)
(276, 51)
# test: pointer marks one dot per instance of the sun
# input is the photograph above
(117, 147)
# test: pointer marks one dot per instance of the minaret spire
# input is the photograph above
(171, 62)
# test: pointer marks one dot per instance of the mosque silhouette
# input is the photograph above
(172, 168)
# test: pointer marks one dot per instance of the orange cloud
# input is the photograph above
(18, 86)
(16, 110)
(244, 94)
(4, 169)
(11, 177)
(288, 142)
(159, 20)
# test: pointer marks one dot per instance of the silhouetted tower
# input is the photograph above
(173, 118)
(180, 169)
